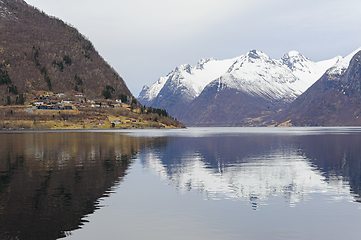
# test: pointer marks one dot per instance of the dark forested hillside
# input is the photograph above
(39, 52)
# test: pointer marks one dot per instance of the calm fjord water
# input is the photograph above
(198, 183)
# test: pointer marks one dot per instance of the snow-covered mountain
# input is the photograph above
(341, 66)
(184, 82)
(257, 74)
(333, 100)
(241, 91)
(253, 72)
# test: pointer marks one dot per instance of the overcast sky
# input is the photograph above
(146, 39)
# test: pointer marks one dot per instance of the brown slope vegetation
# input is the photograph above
(39, 52)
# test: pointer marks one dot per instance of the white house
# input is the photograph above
(66, 101)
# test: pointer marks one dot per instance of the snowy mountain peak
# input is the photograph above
(342, 64)
(257, 55)
(254, 54)
(144, 90)
(202, 62)
(297, 62)
(293, 53)
(293, 56)
(250, 60)
(184, 67)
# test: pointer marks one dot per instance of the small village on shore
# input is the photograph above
(48, 110)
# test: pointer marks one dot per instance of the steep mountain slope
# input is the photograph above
(235, 90)
(227, 107)
(334, 100)
(39, 52)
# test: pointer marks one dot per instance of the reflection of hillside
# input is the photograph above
(249, 167)
(50, 181)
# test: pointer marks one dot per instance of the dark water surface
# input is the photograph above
(198, 183)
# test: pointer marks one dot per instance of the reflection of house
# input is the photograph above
(68, 107)
(43, 107)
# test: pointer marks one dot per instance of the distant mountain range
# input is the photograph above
(42, 53)
(249, 90)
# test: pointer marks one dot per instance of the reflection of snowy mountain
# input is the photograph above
(256, 179)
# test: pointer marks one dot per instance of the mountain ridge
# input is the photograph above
(271, 84)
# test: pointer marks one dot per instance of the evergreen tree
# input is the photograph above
(107, 94)
(67, 60)
(48, 81)
(21, 99)
(110, 88)
(4, 77)
(8, 100)
(123, 98)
